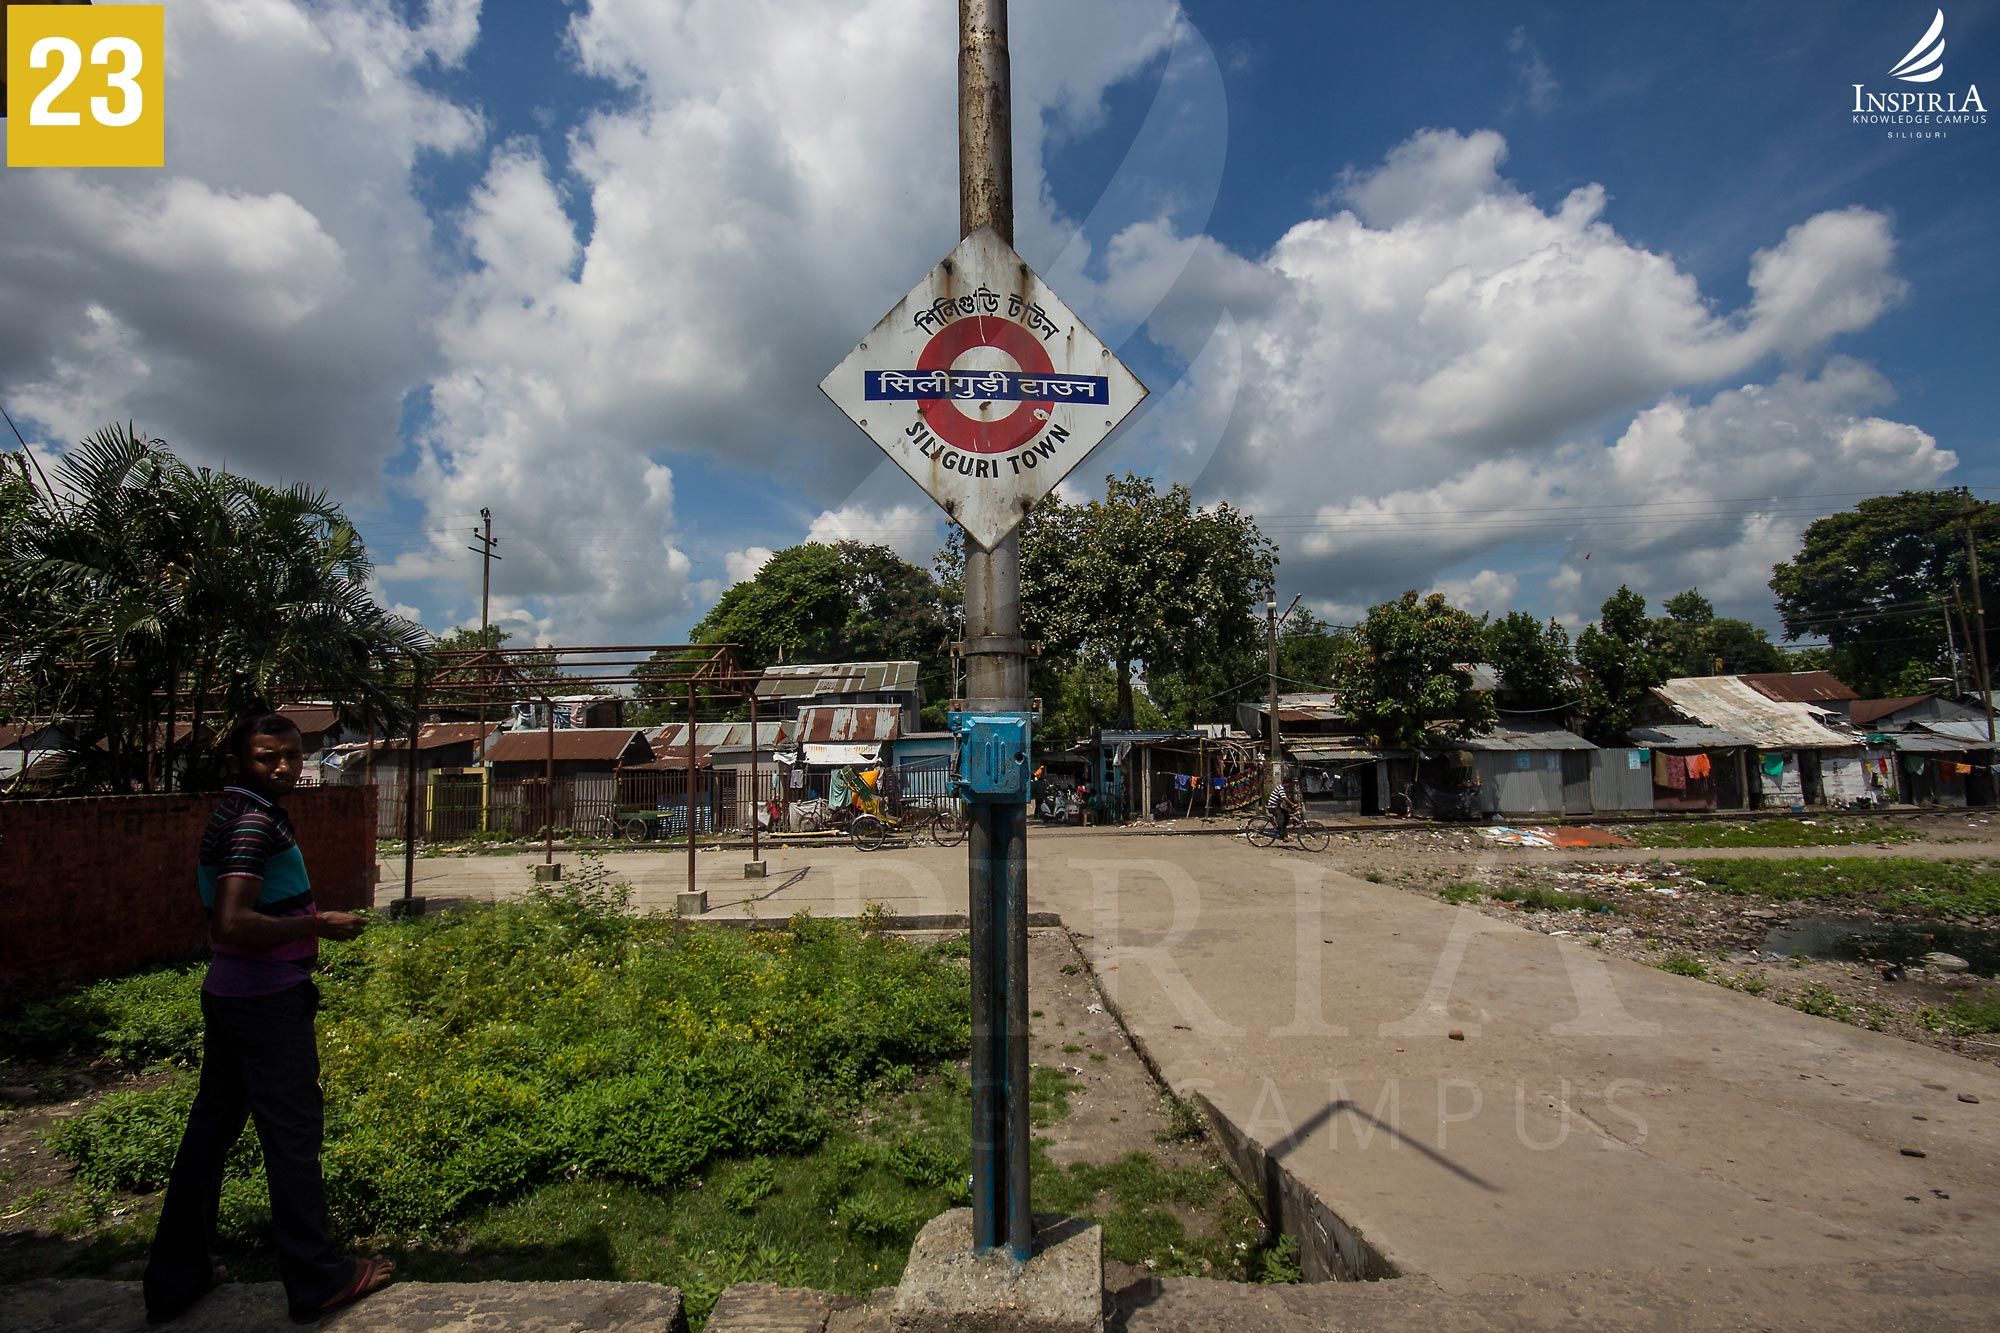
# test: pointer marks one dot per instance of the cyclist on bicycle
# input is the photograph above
(1280, 805)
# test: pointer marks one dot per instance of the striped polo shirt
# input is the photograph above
(251, 837)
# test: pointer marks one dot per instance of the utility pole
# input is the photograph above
(485, 551)
(1978, 611)
(486, 558)
(996, 681)
(1273, 622)
(1271, 715)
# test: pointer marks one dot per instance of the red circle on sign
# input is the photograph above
(985, 437)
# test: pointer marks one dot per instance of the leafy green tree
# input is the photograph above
(1691, 640)
(840, 602)
(140, 591)
(1620, 665)
(1406, 675)
(1143, 577)
(1308, 651)
(1877, 582)
(1536, 669)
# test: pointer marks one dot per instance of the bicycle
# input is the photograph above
(944, 827)
(1311, 836)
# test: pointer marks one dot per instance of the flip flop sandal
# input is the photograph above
(370, 1276)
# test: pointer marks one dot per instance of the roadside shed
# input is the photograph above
(1343, 776)
(1806, 754)
(1692, 767)
(1531, 768)
(581, 752)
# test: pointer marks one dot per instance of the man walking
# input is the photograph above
(259, 1058)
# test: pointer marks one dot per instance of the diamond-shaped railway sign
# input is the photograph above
(984, 387)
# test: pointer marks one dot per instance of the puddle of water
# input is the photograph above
(1846, 939)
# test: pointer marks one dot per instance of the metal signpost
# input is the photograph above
(987, 389)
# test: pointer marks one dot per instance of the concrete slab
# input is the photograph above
(761, 1307)
(47, 1306)
(946, 1289)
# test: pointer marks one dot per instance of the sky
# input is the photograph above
(1512, 301)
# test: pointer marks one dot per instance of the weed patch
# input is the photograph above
(1970, 1015)
(1461, 893)
(1684, 965)
(1538, 899)
(469, 1057)
(1890, 884)
(1770, 833)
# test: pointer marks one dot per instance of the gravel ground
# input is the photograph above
(1662, 915)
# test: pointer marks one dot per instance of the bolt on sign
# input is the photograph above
(984, 387)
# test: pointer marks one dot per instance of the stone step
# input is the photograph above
(760, 1307)
(48, 1305)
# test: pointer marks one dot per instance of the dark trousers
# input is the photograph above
(258, 1061)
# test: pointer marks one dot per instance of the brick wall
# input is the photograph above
(98, 886)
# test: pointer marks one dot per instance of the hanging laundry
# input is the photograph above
(1698, 767)
(1774, 765)
(1677, 772)
(1659, 768)
(1181, 781)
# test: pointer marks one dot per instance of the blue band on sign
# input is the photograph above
(986, 386)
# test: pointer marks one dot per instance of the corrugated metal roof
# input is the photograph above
(605, 744)
(1320, 754)
(804, 680)
(1799, 687)
(434, 734)
(1524, 737)
(1680, 736)
(1872, 710)
(311, 717)
(1923, 742)
(1728, 703)
(840, 724)
(1973, 730)
(719, 736)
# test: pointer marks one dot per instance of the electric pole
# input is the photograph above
(1272, 623)
(1978, 611)
(485, 551)
(1271, 716)
(487, 541)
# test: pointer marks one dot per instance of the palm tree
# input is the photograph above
(143, 588)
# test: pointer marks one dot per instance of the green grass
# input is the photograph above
(553, 1089)
(1970, 1015)
(1890, 884)
(1769, 833)
(1685, 965)
(1538, 899)
(1461, 893)
(468, 1057)
(1821, 1002)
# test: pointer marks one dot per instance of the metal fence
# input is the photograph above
(454, 806)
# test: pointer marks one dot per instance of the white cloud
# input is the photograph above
(741, 566)
(911, 532)
(779, 176)
(1487, 592)
(265, 300)
(1445, 379)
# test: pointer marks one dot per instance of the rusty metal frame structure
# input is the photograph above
(632, 673)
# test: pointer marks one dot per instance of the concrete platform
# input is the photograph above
(49, 1306)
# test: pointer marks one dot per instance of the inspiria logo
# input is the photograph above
(1914, 115)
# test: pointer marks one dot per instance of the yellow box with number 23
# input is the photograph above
(84, 86)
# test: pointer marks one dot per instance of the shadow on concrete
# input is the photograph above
(1281, 1147)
